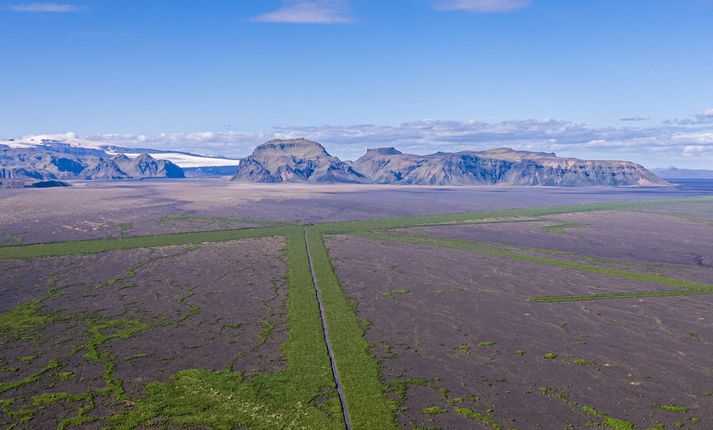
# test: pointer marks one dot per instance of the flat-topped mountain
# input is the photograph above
(300, 160)
(294, 160)
(498, 166)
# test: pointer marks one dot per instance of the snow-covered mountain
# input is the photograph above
(70, 143)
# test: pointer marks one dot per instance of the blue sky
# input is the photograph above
(220, 76)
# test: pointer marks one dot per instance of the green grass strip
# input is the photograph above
(467, 217)
(92, 246)
(561, 228)
(685, 287)
(606, 421)
(302, 396)
(8, 386)
(369, 407)
(81, 247)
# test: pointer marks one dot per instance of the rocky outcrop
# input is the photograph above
(295, 160)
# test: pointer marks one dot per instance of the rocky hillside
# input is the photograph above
(498, 166)
(301, 160)
(57, 161)
(294, 160)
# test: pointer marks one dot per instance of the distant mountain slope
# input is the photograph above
(294, 160)
(59, 161)
(300, 160)
(676, 173)
(498, 166)
(68, 143)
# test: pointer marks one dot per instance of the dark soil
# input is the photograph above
(215, 306)
(638, 352)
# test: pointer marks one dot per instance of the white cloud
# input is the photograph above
(482, 6)
(702, 118)
(44, 7)
(308, 12)
(656, 146)
(695, 150)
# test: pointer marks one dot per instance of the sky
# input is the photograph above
(592, 78)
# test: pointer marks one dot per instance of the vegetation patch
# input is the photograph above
(267, 328)
(434, 410)
(487, 343)
(561, 228)
(677, 409)
(25, 320)
(124, 228)
(464, 348)
(8, 386)
(486, 419)
(605, 420)
(393, 293)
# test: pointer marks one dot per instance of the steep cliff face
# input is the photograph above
(294, 160)
(499, 166)
(63, 162)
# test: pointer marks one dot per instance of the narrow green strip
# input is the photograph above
(92, 246)
(686, 287)
(55, 249)
(369, 407)
(465, 217)
(300, 397)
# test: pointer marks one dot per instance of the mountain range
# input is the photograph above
(301, 160)
(54, 160)
(676, 173)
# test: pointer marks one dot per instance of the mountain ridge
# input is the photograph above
(61, 162)
(302, 160)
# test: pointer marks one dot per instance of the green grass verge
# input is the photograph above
(369, 407)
